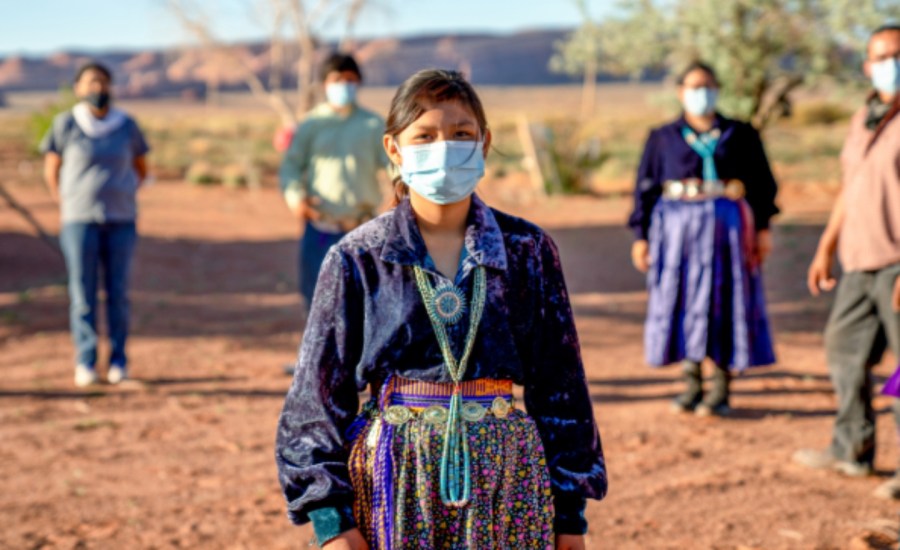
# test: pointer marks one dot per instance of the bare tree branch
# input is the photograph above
(301, 18)
(780, 98)
(305, 64)
(201, 30)
(353, 11)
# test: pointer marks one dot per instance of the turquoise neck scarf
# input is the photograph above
(704, 145)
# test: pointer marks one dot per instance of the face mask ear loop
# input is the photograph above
(472, 154)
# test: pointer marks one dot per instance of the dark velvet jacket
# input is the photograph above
(739, 155)
(368, 320)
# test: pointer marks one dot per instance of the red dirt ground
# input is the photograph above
(183, 456)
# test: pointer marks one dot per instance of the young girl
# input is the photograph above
(440, 306)
(703, 201)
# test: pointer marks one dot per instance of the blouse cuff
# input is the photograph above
(330, 522)
(762, 223)
(569, 515)
(641, 233)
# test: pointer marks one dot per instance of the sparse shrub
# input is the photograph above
(575, 153)
(40, 121)
(234, 176)
(201, 173)
(820, 112)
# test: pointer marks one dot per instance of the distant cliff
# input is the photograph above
(501, 59)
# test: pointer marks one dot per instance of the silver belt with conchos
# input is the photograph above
(471, 411)
(694, 189)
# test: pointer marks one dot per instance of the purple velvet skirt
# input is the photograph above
(706, 296)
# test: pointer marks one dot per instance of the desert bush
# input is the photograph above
(188, 146)
(819, 113)
(575, 151)
(234, 175)
(40, 121)
(201, 173)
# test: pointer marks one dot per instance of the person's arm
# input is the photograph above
(647, 191)
(52, 145)
(819, 276)
(140, 168)
(759, 181)
(557, 398)
(311, 450)
(761, 189)
(293, 175)
(139, 150)
(52, 165)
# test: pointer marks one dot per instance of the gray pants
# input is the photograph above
(861, 326)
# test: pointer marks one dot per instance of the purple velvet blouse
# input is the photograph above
(739, 155)
(367, 320)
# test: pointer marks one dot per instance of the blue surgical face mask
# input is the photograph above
(700, 101)
(886, 75)
(443, 172)
(341, 94)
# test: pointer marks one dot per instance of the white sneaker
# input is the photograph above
(115, 374)
(85, 376)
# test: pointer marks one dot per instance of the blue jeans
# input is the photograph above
(88, 247)
(314, 246)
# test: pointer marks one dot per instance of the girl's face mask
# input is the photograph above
(443, 172)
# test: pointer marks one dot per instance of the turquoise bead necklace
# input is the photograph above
(455, 474)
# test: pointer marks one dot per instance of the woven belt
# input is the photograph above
(408, 398)
(694, 189)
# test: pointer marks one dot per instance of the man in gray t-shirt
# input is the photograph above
(95, 160)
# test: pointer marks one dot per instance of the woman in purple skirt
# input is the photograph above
(703, 201)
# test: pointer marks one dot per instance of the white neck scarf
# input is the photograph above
(97, 127)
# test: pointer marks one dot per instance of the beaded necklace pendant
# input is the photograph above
(455, 470)
(449, 304)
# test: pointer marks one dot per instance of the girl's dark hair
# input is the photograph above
(93, 66)
(694, 66)
(339, 62)
(421, 91)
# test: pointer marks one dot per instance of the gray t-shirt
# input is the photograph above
(97, 180)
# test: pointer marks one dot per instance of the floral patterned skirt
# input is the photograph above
(395, 470)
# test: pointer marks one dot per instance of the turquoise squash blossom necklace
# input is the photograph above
(456, 464)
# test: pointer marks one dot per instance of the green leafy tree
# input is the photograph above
(762, 50)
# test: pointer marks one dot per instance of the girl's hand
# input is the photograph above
(570, 542)
(348, 540)
(640, 255)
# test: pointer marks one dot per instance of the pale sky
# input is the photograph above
(37, 27)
